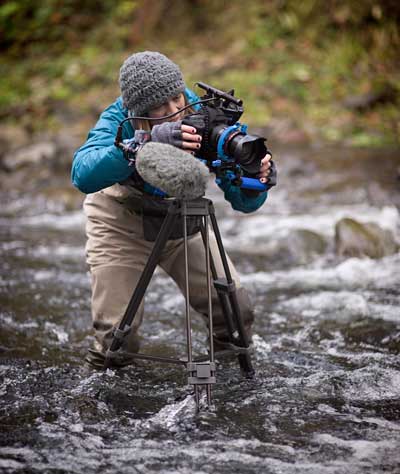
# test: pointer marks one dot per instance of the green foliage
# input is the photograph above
(285, 58)
(27, 25)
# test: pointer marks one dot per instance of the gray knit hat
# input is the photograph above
(147, 80)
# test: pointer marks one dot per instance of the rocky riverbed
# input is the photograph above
(322, 264)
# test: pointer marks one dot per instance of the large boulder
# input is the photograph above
(299, 247)
(355, 239)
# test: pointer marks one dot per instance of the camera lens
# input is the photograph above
(248, 151)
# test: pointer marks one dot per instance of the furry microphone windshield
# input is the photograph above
(172, 170)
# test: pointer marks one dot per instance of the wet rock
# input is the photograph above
(89, 409)
(34, 154)
(354, 239)
(301, 246)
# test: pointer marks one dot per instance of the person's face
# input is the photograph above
(169, 107)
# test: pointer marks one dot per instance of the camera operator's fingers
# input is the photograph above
(190, 133)
(267, 158)
(265, 168)
(190, 139)
(188, 129)
(190, 146)
(265, 165)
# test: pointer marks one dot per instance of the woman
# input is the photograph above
(116, 204)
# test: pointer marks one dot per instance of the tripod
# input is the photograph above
(201, 373)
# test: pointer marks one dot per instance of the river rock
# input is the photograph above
(299, 247)
(30, 155)
(304, 245)
(354, 239)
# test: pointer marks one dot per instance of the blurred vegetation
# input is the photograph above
(329, 68)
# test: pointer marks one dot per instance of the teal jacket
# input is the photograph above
(98, 163)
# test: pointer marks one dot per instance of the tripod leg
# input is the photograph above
(201, 374)
(191, 367)
(141, 287)
(187, 296)
(210, 312)
(244, 358)
(223, 298)
(209, 295)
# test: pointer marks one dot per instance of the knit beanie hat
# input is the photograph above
(147, 80)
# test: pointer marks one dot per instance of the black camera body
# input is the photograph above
(225, 142)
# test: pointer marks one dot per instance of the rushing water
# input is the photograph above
(326, 397)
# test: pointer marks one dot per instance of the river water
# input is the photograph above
(326, 396)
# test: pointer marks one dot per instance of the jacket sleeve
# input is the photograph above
(98, 163)
(239, 200)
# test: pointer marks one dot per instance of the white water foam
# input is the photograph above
(353, 273)
(170, 415)
(367, 384)
(342, 305)
(66, 221)
(261, 348)
(361, 449)
(74, 278)
(240, 232)
(60, 251)
(58, 331)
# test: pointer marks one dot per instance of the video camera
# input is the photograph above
(227, 148)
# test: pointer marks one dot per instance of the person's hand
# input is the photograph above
(177, 134)
(168, 132)
(265, 168)
(191, 141)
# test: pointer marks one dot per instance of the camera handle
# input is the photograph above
(201, 371)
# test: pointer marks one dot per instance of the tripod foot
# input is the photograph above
(98, 360)
(201, 374)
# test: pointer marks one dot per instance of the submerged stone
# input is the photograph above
(354, 239)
